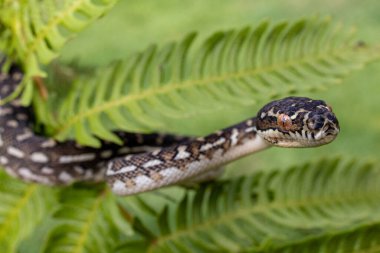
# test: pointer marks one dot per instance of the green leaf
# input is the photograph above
(23, 206)
(364, 240)
(270, 210)
(33, 32)
(232, 68)
(87, 221)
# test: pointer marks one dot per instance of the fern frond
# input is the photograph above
(362, 240)
(22, 209)
(269, 210)
(87, 221)
(34, 31)
(239, 67)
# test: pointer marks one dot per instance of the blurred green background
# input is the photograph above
(133, 25)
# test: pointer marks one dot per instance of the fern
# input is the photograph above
(34, 31)
(22, 209)
(268, 210)
(323, 206)
(240, 67)
(363, 240)
(87, 221)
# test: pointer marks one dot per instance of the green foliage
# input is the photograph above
(336, 210)
(271, 210)
(22, 208)
(85, 220)
(363, 239)
(33, 32)
(238, 67)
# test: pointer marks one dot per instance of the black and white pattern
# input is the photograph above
(39, 159)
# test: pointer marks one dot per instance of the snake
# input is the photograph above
(145, 162)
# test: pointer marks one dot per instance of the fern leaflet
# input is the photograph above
(86, 221)
(22, 208)
(33, 32)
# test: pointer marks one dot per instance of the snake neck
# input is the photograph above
(183, 162)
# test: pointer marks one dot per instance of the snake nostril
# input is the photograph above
(332, 128)
(316, 122)
(333, 120)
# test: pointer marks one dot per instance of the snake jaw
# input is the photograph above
(291, 142)
(323, 137)
(297, 141)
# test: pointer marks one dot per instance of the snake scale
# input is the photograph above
(149, 161)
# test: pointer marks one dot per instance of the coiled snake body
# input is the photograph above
(150, 161)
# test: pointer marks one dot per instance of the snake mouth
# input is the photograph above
(300, 143)
(327, 133)
(300, 140)
(325, 137)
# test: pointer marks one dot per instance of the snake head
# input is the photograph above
(297, 122)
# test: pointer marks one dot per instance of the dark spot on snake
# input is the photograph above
(332, 118)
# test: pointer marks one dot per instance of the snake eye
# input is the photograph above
(284, 121)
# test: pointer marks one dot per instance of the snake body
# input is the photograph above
(150, 161)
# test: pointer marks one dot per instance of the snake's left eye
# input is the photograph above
(284, 121)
